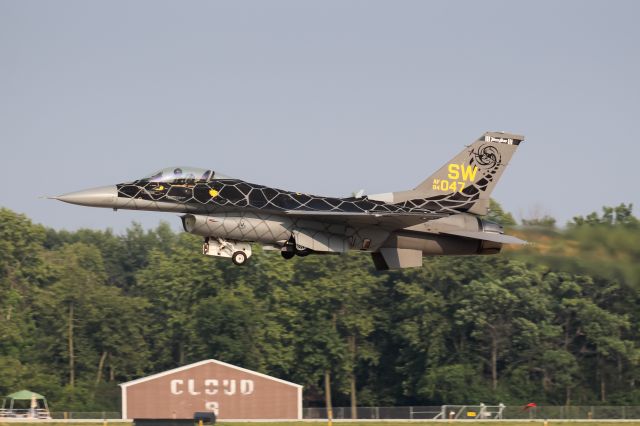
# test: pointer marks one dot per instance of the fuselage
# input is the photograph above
(440, 216)
(241, 211)
(222, 195)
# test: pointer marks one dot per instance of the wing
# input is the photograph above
(387, 220)
(399, 221)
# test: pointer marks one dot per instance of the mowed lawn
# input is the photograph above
(459, 422)
(442, 422)
(374, 423)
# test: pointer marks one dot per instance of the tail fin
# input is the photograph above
(466, 181)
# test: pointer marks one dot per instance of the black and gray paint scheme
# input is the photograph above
(441, 216)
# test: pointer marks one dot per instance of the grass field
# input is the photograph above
(440, 422)
(376, 423)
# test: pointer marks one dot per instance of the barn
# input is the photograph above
(232, 392)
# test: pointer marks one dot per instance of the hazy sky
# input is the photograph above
(323, 97)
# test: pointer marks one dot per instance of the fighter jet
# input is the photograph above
(440, 216)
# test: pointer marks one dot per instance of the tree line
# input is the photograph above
(554, 322)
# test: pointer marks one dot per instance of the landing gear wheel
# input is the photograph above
(287, 254)
(304, 252)
(239, 258)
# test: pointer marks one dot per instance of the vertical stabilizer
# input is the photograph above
(466, 181)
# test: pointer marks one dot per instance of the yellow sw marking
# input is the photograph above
(467, 172)
(213, 193)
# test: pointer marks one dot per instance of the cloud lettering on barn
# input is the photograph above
(228, 387)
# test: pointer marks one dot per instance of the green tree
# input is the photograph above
(88, 326)
(21, 270)
(175, 280)
(498, 215)
(620, 215)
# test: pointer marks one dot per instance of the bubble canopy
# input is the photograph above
(177, 173)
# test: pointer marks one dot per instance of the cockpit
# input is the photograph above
(183, 174)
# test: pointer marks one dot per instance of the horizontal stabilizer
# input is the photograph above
(487, 236)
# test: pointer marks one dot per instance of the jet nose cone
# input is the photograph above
(105, 196)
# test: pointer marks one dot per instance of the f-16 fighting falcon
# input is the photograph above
(440, 216)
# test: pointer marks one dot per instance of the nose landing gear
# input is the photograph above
(237, 251)
(239, 258)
